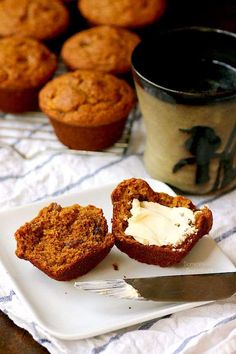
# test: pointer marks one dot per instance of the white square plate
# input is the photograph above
(68, 313)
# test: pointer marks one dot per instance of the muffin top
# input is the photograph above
(86, 98)
(24, 63)
(126, 13)
(41, 19)
(101, 48)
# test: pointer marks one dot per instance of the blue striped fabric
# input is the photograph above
(32, 169)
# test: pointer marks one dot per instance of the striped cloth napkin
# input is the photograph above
(34, 166)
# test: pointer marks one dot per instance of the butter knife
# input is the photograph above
(174, 288)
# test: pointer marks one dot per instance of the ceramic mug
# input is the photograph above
(186, 86)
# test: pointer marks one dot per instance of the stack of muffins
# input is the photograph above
(87, 106)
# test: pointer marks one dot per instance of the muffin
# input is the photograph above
(65, 243)
(40, 19)
(124, 13)
(87, 109)
(25, 66)
(102, 48)
(156, 228)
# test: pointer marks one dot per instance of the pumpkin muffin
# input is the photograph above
(65, 243)
(25, 66)
(87, 109)
(40, 19)
(102, 48)
(124, 13)
(156, 228)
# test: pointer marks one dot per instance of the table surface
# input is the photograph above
(14, 340)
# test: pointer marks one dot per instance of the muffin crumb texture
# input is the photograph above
(65, 242)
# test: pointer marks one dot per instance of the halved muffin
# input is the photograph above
(65, 242)
(156, 228)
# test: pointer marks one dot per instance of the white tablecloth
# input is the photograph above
(26, 176)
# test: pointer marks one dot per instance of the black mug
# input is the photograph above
(185, 80)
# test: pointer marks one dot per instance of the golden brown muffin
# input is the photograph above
(102, 48)
(124, 13)
(87, 109)
(65, 242)
(40, 19)
(25, 66)
(165, 255)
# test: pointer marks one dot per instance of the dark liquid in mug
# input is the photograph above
(189, 65)
(203, 76)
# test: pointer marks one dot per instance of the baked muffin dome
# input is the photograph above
(124, 13)
(102, 48)
(87, 109)
(24, 62)
(40, 19)
(25, 66)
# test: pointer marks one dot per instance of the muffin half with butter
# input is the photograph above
(156, 228)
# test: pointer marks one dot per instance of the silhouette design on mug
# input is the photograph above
(203, 144)
(227, 167)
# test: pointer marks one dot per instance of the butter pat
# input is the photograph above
(155, 224)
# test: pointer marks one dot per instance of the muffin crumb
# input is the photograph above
(61, 241)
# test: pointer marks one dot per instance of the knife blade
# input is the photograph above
(174, 288)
